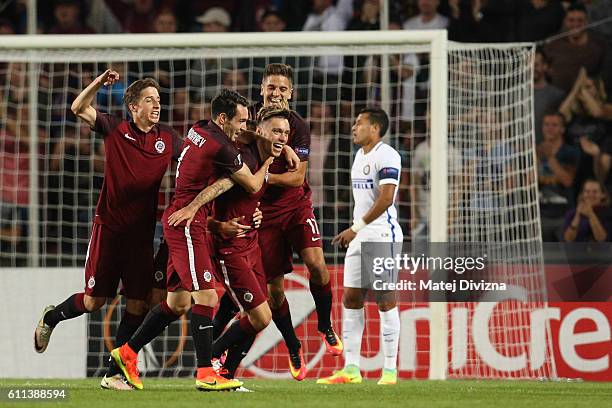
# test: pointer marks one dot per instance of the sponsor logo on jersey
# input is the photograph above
(160, 146)
(363, 184)
(238, 160)
(196, 138)
(127, 136)
(248, 297)
(207, 276)
(91, 282)
(159, 275)
(366, 169)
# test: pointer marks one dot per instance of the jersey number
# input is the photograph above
(180, 159)
(313, 225)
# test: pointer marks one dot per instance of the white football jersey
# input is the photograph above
(382, 165)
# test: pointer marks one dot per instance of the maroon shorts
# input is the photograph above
(114, 256)
(280, 235)
(243, 277)
(189, 264)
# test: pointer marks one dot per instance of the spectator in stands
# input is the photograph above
(325, 17)
(547, 97)
(215, 20)
(272, 21)
(579, 48)
(586, 110)
(557, 165)
(67, 15)
(419, 185)
(464, 20)
(328, 170)
(590, 220)
(76, 167)
(601, 158)
(538, 19)
(403, 78)
(236, 79)
(207, 73)
(355, 88)
(15, 151)
(139, 17)
(198, 110)
(102, 19)
(428, 17)
(497, 20)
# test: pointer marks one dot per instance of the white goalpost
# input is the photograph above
(461, 116)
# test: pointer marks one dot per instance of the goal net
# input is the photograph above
(469, 105)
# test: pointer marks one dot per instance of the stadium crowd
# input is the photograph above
(572, 78)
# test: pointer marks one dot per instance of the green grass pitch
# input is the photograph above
(170, 393)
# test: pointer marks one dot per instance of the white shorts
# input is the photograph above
(352, 259)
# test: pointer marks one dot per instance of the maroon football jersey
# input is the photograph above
(278, 199)
(237, 202)
(135, 163)
(207, 153)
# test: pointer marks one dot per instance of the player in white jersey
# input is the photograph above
(375, 176)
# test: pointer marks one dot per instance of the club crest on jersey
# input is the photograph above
(91, 282)
(160, 146)
(238, 160)
(159, 275)
(207, 276)
(366, 169)
(248, 297)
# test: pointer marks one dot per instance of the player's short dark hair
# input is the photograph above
(269, 112)
(132, 93)
(279, 69)
(227, 101)
(377, 116)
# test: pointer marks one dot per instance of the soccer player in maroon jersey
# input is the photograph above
(137, 154)
(208, 152)
(289, 225)
(239, 259)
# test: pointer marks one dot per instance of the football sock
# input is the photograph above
(234, 335)
(352, 333)
(201, 331)
(128, 326)
(322, 296)
(390, 330)
(282, 320)
(70, 308)
(156, 322)
(227, 311)
(235, 356)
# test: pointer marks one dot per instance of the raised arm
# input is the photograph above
(81, 106)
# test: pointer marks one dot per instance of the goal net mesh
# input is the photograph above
(492, 185)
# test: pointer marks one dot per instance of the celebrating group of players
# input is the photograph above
(228, 177)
